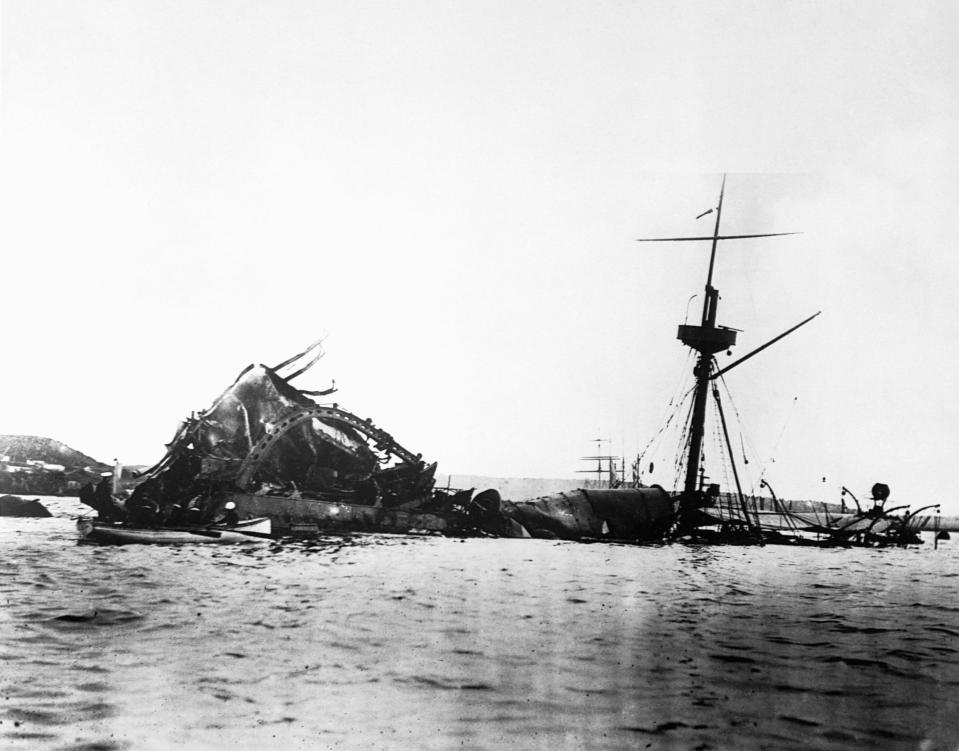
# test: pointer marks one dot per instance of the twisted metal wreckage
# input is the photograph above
(272, 451)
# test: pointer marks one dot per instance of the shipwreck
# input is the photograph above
(703, 512)
(266, 449)
(699, 511)
(273, 451)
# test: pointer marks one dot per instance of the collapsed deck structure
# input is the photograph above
(272, 450)
(265, 448)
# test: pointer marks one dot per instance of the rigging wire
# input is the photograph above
(684, 440)
(684, 377)
(772, 456)
(656, 440)
(723, 461)
(779, 506)
(679, 454)
(680, 392)
(660, 431)
(743, 436)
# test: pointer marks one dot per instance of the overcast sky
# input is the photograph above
(451, 191)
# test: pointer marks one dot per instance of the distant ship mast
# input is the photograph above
(707, 339)
(608, 471)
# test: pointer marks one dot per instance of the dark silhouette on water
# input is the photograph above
(13, 505)
(741, 523)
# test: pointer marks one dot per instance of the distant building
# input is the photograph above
(46, 465)
(18, 468)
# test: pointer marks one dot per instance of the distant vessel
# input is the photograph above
(609, 470)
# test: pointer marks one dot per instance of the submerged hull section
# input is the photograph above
(303, 516)
(809, 522)
(624, 514)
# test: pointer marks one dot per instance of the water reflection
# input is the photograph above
(365, 640)
(699, 556)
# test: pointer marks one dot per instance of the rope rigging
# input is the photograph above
(772, 456)
(685, 437)
(681, 393)
(743, 436)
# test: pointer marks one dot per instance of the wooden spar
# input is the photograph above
(712, 254)
(712, 237)
(756, 351)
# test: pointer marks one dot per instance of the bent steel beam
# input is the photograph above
(382, 440)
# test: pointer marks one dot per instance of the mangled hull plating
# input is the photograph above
(275, 452)
(300, 516)
(313, 468)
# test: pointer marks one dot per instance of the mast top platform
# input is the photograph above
(707, 339)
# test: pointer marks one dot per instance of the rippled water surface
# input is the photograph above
(432, 643)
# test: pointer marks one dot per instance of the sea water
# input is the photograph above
(392, 642)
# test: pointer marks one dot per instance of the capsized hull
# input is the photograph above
(250, 530)
(12, 505)
(305, 516)
(639, 514)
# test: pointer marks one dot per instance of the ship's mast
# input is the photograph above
(707, 339)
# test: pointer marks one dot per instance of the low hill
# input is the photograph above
(21, 448)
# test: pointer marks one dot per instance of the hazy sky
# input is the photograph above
(451, 191)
